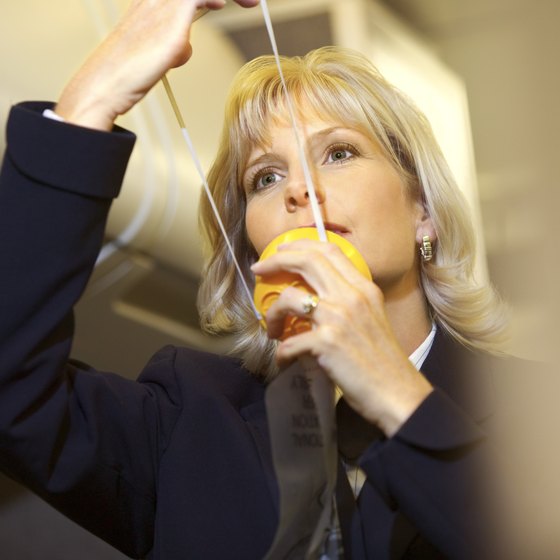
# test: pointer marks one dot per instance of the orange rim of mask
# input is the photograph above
(268, 289)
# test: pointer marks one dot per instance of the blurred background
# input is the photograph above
(484, 71)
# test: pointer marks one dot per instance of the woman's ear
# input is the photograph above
(424, 225)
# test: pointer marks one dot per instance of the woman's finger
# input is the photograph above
(294, 303)
(247, 3)
(323, 266)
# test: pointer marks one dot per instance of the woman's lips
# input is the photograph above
(330, 226)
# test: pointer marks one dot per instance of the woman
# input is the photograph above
(178, 463)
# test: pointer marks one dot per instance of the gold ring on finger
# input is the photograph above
(309, 304)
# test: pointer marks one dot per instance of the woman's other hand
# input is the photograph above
(152, 37)
(352, 338)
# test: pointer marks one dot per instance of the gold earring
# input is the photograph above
(426, 249)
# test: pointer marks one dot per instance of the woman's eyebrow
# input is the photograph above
(320, 136)
(265, 157)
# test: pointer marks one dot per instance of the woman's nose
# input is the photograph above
(296, 193)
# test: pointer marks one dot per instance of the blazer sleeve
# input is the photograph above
(85, 441)
(435, 470)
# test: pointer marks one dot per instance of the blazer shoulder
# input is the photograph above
(204, 374)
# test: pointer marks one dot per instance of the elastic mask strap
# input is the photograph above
(202, 176)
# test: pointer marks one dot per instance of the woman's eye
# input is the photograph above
(340, 153)
(266, 179)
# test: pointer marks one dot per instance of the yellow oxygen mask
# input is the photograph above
(268, 289)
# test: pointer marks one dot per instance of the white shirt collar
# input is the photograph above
(419, 355)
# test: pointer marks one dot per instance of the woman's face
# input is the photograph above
(361, 195)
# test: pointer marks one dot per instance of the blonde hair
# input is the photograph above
(345, 86)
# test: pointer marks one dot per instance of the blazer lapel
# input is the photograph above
(464, 375)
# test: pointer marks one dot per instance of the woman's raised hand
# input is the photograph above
(152, 37)
(352, 338)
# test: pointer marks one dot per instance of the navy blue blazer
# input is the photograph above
(177, 464)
